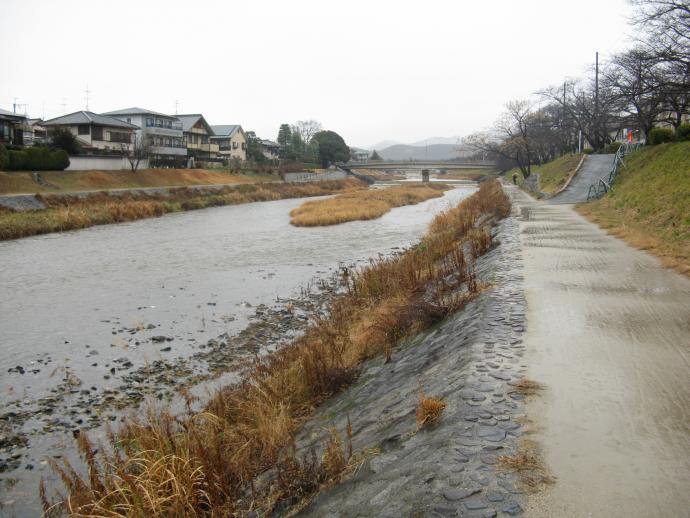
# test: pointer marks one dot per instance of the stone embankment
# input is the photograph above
(472, 361)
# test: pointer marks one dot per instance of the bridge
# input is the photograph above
(421, 164)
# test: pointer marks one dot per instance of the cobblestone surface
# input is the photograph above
(472, 361)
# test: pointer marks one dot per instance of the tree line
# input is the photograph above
(306, 141)
(640, 89)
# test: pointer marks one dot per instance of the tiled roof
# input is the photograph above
(138, 111)
(84, 117)
(225, 130)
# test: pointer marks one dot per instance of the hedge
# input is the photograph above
(661, 135)
(4, 159)
(38, 159)
(683, 132)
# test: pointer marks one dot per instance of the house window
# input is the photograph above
(159, 123)
(204, 139)
(149, 122)
(83, 129)
(97, 133)
(129, 120)
(168, 124)
(234, 145)
(244, 145)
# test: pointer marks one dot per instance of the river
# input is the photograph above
(77, 306)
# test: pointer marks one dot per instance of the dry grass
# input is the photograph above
(361, 205)
(73, 212)
(238, 456)
(528, 387)
(528, 464)
(464, 174)
(429, 410)
(65, 181)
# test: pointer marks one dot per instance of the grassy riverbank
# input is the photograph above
(362, 205)
(74, 212)
(238, 455)
(649, 206)
(552, 175)
(66, 181)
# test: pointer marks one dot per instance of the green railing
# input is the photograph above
(605, 183)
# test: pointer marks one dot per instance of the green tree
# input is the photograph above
(332, 148)
(311, 154)
(62, 138)
(254, 152)
(296, 146)
(284, 139)
(375, 156)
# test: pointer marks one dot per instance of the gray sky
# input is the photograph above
(370, 70)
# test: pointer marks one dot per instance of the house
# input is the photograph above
(12, 128)
(163, 133)
(231, 140)
(359, 155)
(95, 132)
(197, 133)
(37, 135)
(270, 149)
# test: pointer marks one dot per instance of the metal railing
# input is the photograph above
(605, 183)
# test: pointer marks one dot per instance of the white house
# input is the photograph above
(94, 131)
(163, 133)
(231, 140)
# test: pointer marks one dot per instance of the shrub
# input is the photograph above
(683, 132)
(588, 151)
(4, 159)
(613, 147)
(63, 138)
(660, 135)
(429, 410)
(38, 159)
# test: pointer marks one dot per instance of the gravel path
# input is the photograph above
(595, 167)
(609, 336)
(472, 361)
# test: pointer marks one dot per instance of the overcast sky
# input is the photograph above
(370, 70)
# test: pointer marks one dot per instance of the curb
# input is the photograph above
(570, 178)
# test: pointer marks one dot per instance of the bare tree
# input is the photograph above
(138, 150)
(666, 25)
(510, 138)
(307, 129)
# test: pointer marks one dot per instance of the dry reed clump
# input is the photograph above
(238, 454)
(528, 387)
(75, 212)
(362, 205)
(429, 410)
(528, 465)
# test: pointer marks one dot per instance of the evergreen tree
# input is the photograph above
(375, 156)
(285, 140)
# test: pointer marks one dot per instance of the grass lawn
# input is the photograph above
(464, 174)
(552, 175)
(649, 206)
(23, 183)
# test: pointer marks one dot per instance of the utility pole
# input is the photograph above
(14, 105)
(176, 103)
(64, 105)
(565, 143)
(596, 99)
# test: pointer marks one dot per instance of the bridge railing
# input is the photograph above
(605, 183)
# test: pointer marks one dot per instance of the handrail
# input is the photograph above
(601, 186)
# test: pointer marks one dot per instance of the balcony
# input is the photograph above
(163, 125)
(211, 148)
(169, 150)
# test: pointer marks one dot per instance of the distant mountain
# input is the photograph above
(430, 152)
(438, 140)
(384, 144)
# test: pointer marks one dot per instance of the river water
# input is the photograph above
(75, 305)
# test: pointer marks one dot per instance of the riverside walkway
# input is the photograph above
(608, 335)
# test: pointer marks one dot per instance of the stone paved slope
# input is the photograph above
(470, 360)
(594, 167)
(609, 336)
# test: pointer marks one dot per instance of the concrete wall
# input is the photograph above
(314, 177)
(101, 163)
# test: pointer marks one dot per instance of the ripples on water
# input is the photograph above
(185, 273)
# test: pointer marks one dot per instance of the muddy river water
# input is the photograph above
(80, 310)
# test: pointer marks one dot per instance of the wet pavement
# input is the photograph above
(593, 168)
(609, 335)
